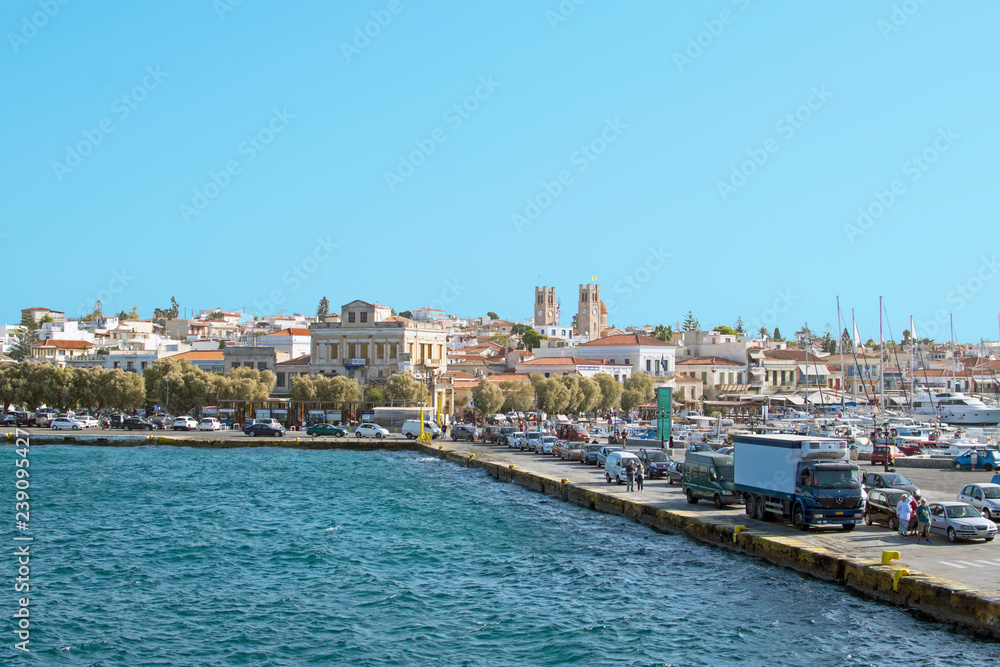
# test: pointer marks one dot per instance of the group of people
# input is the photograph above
(634, 475)
(914, 518)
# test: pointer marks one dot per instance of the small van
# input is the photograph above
(411, 429)
(615, 464)
(709, 476)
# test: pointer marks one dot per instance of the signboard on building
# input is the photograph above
(357, 362)
(333, 416)
(262, 414)
(588, 368)
(367, 415)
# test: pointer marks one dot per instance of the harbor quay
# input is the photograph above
(951, 583)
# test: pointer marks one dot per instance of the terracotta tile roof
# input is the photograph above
(198, 355)
(468, 357)
(625, 340)
(291, 331)
(569, 361)
(64, 344)
(462, 375)
(297, 361)
(709, 361)
(793, 355)
(467, 384)
(497, 378)
(44, 308)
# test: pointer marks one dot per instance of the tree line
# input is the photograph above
(564, 394)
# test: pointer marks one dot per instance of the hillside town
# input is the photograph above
(369, 355)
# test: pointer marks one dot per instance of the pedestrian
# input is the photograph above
(924, 522)
(903, 514)
(629, 475)
(975, 458)
(912, 526)
(625, 439)
(639, 474)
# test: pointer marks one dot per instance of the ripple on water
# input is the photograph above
(270, 556)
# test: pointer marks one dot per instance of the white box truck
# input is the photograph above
(808, 479)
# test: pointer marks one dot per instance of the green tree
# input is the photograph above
(492, 315)
(487, 397)
(402, 388)
(323, 309)
(725, 330)
(124, 390)
(666, 334)
(643, 383)
(517, 396)
(574, 323)
(168, 313)
(10, 382)
(374, 396)
(519, 329)
(43, 383)
(611, 391)
(776, 336)
(244, 384)
(805, 335)
(907, 336)
(739, 325)
(630, 399)
(502, 339)
(407, 314)
(179, 384)
(691, 323)
(551, 395)
(24, 338)
(763, 332)
(532, 339)
(586, 396)
(216, 316)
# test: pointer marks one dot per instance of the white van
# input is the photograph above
(411, 428)
(615, 464)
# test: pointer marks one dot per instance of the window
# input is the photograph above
(118, 364)
(335, 349)
(649, 365)
(392, 350)
(262, 365)
(704, 377)
(627, 361)
(364, 316)
(350, 317)
(143, 365)
(380, 351)
(279, 380)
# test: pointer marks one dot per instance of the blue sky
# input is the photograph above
(729, 158)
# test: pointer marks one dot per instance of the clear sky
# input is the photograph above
(733, 158)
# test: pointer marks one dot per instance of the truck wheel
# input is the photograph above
(958, 466)
(759, 509)
(748, 506)
(607, 477)
(893, 523)
(690, 497)
(848, 526)
(718, 502)
(799, 518)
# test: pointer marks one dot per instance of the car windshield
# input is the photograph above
(534, 435)
(656, 456)
(895, 480)
(991, 492)
(725, 473)
(837, 479)
(960, 511)
(894, 497)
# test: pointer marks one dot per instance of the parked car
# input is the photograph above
(44, 416)
(411, 429)
(546, 444)
(602, 453)
(590, 452)
(880, 454)
(572, 432)
(209, 424)
(675, 472)
(369, 430)
(273, 423)
(116, 420)
(961, 521)
(656, 462)
(162, 422)
(984, 497)
(505, 433)
(710, 476)
(529, 440)
(464, 432)
(66, 424)
(88, 421)
(881, 507)
(17, 418)
(326, 430)
(696, 447)
(568, 451)
(986, 459)
(184, 423)
(725, 450)
(491, 432)
(136, 423)
(513, 439)
(615, 465)
(262, 428)
(889, 480)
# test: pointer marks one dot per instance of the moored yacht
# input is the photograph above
(955, 408)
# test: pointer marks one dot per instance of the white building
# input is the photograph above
(643, 354)
(294, 342)
(558, 366)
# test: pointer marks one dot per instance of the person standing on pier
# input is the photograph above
(924, 521)
(639, 473)
(629, 475)
(903, 514)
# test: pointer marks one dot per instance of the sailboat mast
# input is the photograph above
(881, 357)
(840, 348)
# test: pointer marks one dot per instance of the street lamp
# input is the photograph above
(167, 393)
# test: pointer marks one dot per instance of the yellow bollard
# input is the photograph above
(889, 556)
(564, 480)
(441, 447)
(296, 439)
(511, 466)
(896, 577)
(737, 530)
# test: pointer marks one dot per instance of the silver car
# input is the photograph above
(960, 521)
(984, 497)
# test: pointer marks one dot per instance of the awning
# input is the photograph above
(813, 369)
(794, 400)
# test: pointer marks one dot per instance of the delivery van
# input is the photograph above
(411, 429)
(709, 476)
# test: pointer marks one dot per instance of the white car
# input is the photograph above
(184, 423)
(87, 421)
(545, 445)
(370, 431)
(66, 424)
(984, 497)
(209, 424)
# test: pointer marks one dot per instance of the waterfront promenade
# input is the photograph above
(971, 566)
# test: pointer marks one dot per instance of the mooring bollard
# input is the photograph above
(896, 577)
(889, 556)
(737, 530)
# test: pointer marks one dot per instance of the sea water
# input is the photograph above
(269, 556)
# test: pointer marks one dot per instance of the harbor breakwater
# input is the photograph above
(938, 598)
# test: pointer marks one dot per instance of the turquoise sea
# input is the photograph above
(265, 556)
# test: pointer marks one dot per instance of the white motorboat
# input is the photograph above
(956, 408)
